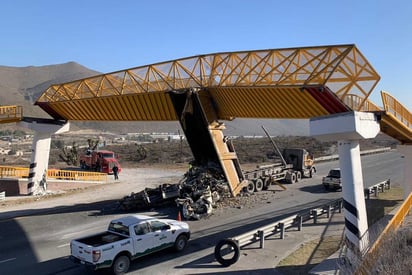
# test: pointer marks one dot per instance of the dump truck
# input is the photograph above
(215, 171)
(99, 161)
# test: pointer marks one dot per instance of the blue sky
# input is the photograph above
(114, 35)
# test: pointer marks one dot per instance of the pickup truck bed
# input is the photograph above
(101, 239)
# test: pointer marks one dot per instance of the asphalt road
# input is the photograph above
(39, 243)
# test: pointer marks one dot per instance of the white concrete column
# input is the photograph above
(347, 129)
(40, 153)
(406, 151)
(356, 221)
(44, 129)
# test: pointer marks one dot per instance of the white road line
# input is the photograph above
(63, 245)
(7, 260)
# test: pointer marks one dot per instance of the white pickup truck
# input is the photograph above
(332, 180)
(126, 239)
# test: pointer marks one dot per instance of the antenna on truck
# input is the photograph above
(274, 145)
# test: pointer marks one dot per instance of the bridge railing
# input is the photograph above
(375, 250)
(22, 172)
(394, 107)
(11, 113)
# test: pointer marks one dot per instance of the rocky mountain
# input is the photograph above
(23, 85)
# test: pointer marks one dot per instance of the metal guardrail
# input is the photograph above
(22, 172)
(365, 152)
(258, 235)
(376, 188)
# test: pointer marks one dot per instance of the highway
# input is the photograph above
(39, 244)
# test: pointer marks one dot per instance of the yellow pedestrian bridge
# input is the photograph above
(290, 83)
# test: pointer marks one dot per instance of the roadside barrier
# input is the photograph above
(375, 189)
(366, 152)
(76, 175)
(22, 172)
(13, 172)
(2, 196)
(235, 244)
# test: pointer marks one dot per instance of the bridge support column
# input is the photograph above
(406, 150)
(44, 129)
(347, 129)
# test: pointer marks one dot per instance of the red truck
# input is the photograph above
(99, 161)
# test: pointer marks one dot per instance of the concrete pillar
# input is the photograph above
(44, 129)
(406, 151)
(356, 221)
(347, 129)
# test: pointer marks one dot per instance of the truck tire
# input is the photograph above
(180, 243)
(227, 244)
(292, 178)
(266, 183)
(250, 188)
(258, 185)
(121, 265)
(312, 171)
(298, 176)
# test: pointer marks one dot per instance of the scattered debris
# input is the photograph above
(196, 194)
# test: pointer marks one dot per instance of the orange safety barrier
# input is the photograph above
(10, 114)
(76, 175)
(13, 172)
(22, 172)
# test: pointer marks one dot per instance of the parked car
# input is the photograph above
(126, 239)
(332, 180)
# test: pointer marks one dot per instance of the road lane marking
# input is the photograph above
(7, 260)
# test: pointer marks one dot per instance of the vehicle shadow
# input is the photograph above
(315, 189)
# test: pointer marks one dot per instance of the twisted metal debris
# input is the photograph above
(195, 195)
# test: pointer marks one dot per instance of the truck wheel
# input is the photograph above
(298, 176)
(180, 243)
(266, 183)
(312, 172)
(258, 185)
(250, 188)
(229, 247)
(292, 178)
(121, 265)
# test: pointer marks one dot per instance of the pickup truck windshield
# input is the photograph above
(119, 228)
(334, 173)
(108, 155)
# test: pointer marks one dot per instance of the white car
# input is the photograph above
(129, 238)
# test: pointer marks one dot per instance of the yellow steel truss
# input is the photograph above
(341, 67)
